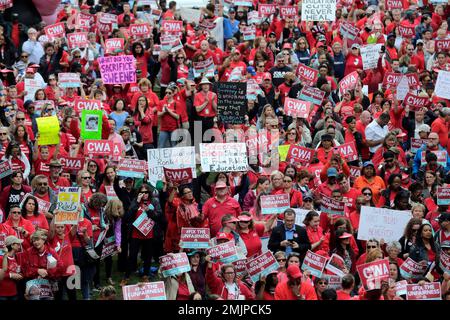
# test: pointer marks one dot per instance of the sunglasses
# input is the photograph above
(367, 194)
(20, 119)
(371, 247)
(281, 260)
(180, 58)
(144, 192)
(15, 212)
(260, 66)
(3, 134)
(86, 178)
(77, 57)
(323, 282)
(307, 200)
(43, 184)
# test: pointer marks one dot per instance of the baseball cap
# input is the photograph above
(355, 45)
(287, 45)
(293, 271)
(251, 70)
(332, 172)
(231, 10)
(10, 240)
(272, 34)
(391, 35)
(345, 235)
(368, 163)
(224, 236)
(244, 217)
(55, 163)
(220, 185)
(212, 41)
(308, 195)
(232, 219)
(424, 127)
(419, 41)
(388, 155)
(267, 76)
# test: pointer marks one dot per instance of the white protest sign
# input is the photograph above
(172, 158)
(300, 215)
(370, 54)
(402, 88)
(31, 86)
(382, 223)
(318, 10)
(223, 157)
(442, 87)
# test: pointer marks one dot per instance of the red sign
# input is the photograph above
(240, 266)
(355, 172)
(373, 273)
(84, 21)
(145, 291)
(288, 11)
(348, 151)
(87, 104)
(261, 265)
(140, 30)
(307, 75)
(113, 44)
(348, 82)
(132, 168)
(332, 206)
(406, 31)
(315, 263)
(105, 28)
(195, 237)
(144, 224)
(172, 27)
(297, 108)
(428, 291)
(225, 252)
(417, 143)
(441, 45)
(108, 18)
(391, 80)
(174, 263)
(297, 154)
(55, 31)
(415, 102)
(266, 9)
(312, 94)
(275, 203)
(443, 196)
(5, 169)
(394, 4)
(71, 163)
(98, 147)
(77, 40)
(411, 269)
(444, 261)
(179, 176)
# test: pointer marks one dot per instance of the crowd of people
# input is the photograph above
(401, 159)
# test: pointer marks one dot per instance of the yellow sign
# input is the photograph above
(283, 151)
(48, 128)
(66, 218)
(68, 202)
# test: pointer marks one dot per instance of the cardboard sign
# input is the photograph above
(336, 265)
(173, 158)
(297, 108)
(444, 262)
(261, 266)
(77, 40)
(382, 223)
(324, 10)
(179, 176)
(68, 203)
(443, 196)
(300, 215)
(69, 163)
(195, 238)
(297, 154)
(406, 31)
(144, 224)
(55, 31)
(392, 79)
(411, 269)
(348, 82)
(348, 30)
(48, 128)
(415, 102)
(91, 124)
(140, 30)
(348, 151)
(98, 147)
(249, 33)
(109, 248)
(172, 27)
(315, 263)
(332, 206)
(373, 273)
(311, 94)
(416, 144)
(114, 45)
(69, 80)
(232, 102)
(118, 69)
(266, 10)
(442, 87)
(400, 288)
(370, 55)
(441, 157)
(393, 4)
(225, 252)
(223, 157)
(145, 291)
(288, 11)
(132, 168)
(174, 264)
(428, 291)
(275, 203)
(441, 45)
(43, 205)
(5, 169)
(307, 75)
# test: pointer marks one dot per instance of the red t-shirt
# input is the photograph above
(252, 240)
(200, 98)
(215, 210)
(84, 224)
(39, 221)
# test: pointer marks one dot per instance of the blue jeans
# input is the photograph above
(164, 139)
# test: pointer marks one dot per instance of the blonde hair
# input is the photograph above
(114, 209)
(143, 82)
(79, 174)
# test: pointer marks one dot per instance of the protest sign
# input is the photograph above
(415, 102)
(254, 17)
(232, 102)
(441, 45)
(39, 289)
(348, 151)
(442, 87)
(266, 10)
(355, 172)
(380, 223)
(406, 31)
(411, 269)
(392, 79)
(315, 263)
(55, 31)
(393, 4)
(31, 86)
(87, 104)
(400, 288)
(179, 176)
(283, 151)
(402, 89)
(41, 104)
(172, 27)
(297, 154)
(275, 203)
(114, 45)
(5, 4)
(332, 206)
(118, 69)
(427, 291)
(297, 108)
(373, 273)
(77, 40)
(83, 21)
(69, 163)
(91, 124)
(249, 33)
(109, 248)
(131, 168)
(311, 94)
(173, 158)
(444, 261)
(261, 265)
(416, 144)
(336, 265)
(334, 282)
(111, 193)
(318, 10)
(441, 157)
(223, 157)
(140, 30)
(288, 11)
(174, 264)
(48, 128)
(240, 267)
(98, 147)
(348, 30)
(108, 17)
(203, 66)
(253, 89)
(5, 169)
(443, 196)
(225, 252)
(370, 54)
(348, 82)
(145, 291)
(68, 203)
(300, 215)
(195, 238)
(144, 224)
(43, 205)
(307, 75)
(69, 80)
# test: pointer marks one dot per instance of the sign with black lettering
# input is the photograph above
(232, 102)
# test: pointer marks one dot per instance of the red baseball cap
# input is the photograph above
(293, 271)
(287, 45)
(244, 217)
(233, 219)
(224, 236)
(267, 76)
(220, 184)
(345, 235)
(29, 70)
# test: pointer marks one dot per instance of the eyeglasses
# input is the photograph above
(281, 260)
(3, 134)
(292, 134)
(230, 272)
(371, 247)
(322, 282)
(77, 57)
(145, 192)
(50, 109)
(169, 92)
(20, 119)
(15, 212)
(180, 58)
(43, 184)
(287, 181)
(86, 178)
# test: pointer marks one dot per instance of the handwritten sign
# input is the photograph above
(370, 55)
(31, 86)
(261, 265)
(144, 224)
(442, 87)
(297, 154)
(315, 263)
(179, 176)
(373, 273)
(195, 238)
(324, 10)
(275, 203)
(411, 269)
(428, 291)
(68, 203)
(223, 157)
(48, 128)
(232, 102)
(297, 108)
(132, 168)
(145, 291)
(225, 252)
(382, 223)
(118, 69)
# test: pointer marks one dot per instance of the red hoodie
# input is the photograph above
(33, 260)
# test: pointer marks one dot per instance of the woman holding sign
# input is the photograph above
(30, 211)
(17, 160)
(425, 249)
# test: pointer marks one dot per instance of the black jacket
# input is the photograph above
(300, 236)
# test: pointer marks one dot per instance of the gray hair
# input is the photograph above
(393, 244)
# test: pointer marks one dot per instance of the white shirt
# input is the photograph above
(375, 132)
(34, 49)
